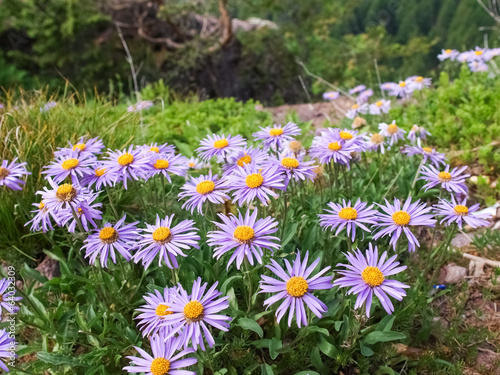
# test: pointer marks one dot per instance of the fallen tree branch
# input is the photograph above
(489, 262)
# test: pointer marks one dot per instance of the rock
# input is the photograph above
(461, 240)
(49, 268)
(452, 274)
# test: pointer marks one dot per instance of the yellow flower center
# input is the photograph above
(427, 150)
(160, 366)
(392, 129)
(345, 135)
(243, 233)
(401, 218)
(297, 286)
(377, 138)
(221, 143)
(161, 234)
(205, 187)
(244, 160)
(334, 146)
(419, 79)
(295, 146)
(379, 104)
(448, 51)
(70, 163)
(79, 211)
(66, 192)
(125, 159)
(100, 171)
(372, 276)
(163, 310)
(193, 311)
(254, 180)
(414, 128)
(1, 298)
(461, 210)
(290, 163)
(275, 132)
(191, 165)
(478, 53)
(41, 206)
(154, 149)
(79, 146)
(108, 235)
(4, 172)
(444, 176)
(161, 164)
(402, 84)
(348, 213)
(355, 106)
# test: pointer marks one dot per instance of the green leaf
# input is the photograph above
(274, 346)
(307, 372)
(385, 370)
(265, 369)
(328, 349)
(380, 336)
(365, 350)
(290, 232)
(228, 282)
(59, 359)
(251, 325)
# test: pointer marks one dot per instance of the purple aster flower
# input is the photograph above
(357, 89)
(125, 164)
(356, 109)
(272, 137)
(48, 106)
(100, 176)
(245, 236)
(295, 289)
(402, 90)
(11, 174)
(152, 148)
(83, 148)
(397, 220)
(331, 95)
(417, 133)
(454, 212)
(448, 54)
(327, 148)
(348, 216)
(251, 181)
(430, 154)
(8, 297)
(379, 107)
(105, 241)
(375, 142)
(86, 211)
(294, 167)
(139, 106)
(164, 360)
(192, 313)
(343, 136)
(200, 189)
(453, 181)
(219, 146)
(478, 54)
(164, 164)
(363, 96)
(394, 132)
(194, 163)
(7, 346)
(43, 218)
(388, 86)
(366, 276)
(73, 165)
(418, 82)
(478, 66)
(63, 196)
(161, 238)
(152, 314)
(244, 157)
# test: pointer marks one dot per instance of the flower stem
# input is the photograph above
(113, 208)
(140, 197)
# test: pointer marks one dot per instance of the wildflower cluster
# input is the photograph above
(478, 59)
(252, 181)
